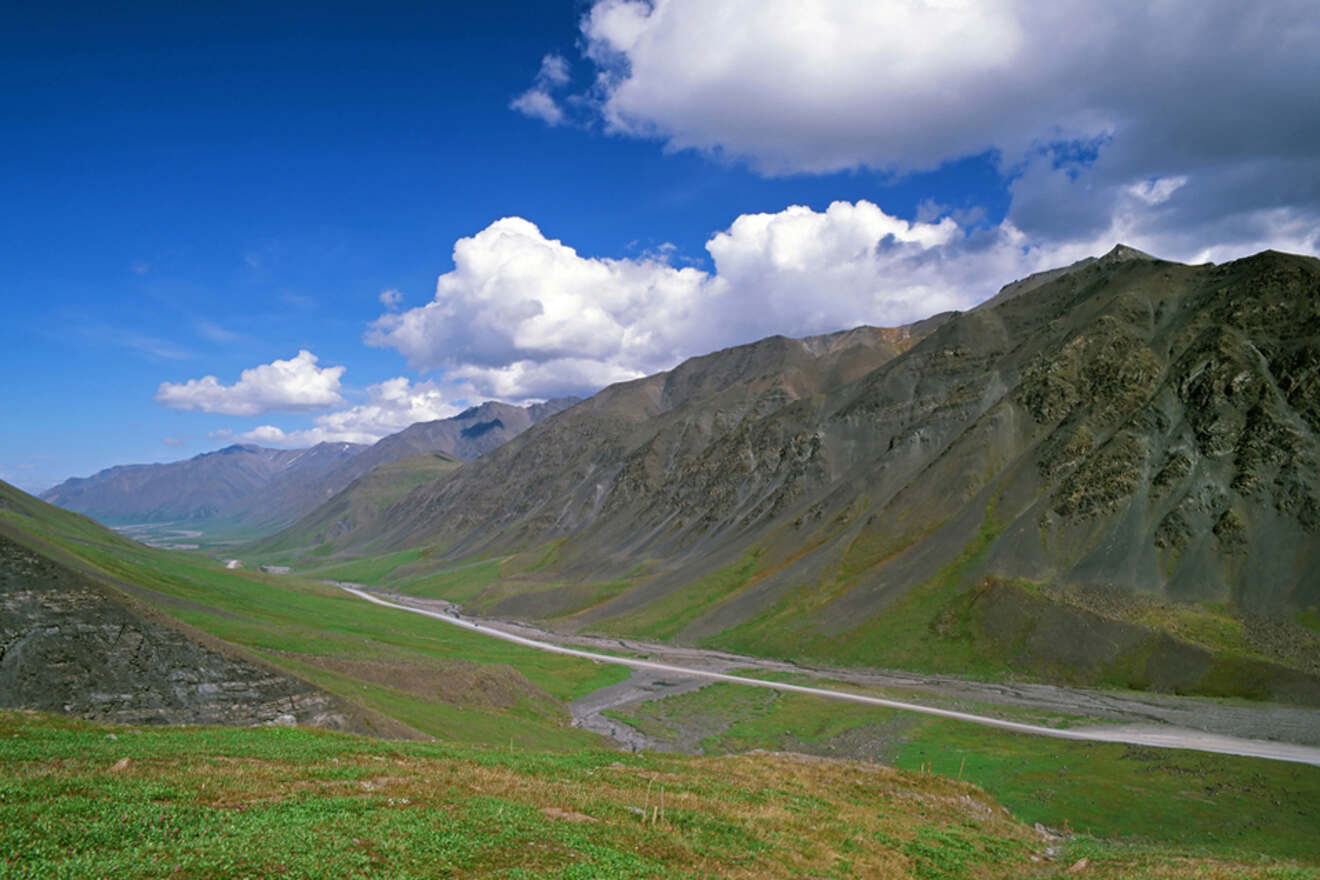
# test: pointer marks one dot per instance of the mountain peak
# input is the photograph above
(1122, 253)
(232, 449)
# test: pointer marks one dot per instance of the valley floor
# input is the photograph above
(1270, 730)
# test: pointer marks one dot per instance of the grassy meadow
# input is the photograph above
(1130, 795)
(79, 799)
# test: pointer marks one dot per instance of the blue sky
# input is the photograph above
(192, 191)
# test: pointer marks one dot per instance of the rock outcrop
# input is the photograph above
(68, 645)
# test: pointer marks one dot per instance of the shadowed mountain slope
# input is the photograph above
(468, 435)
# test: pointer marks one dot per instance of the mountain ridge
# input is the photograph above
(1130, 424)
(252, 487)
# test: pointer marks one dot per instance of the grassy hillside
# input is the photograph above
(79, 799)
(1142, 796)
(530, 796)
(439, 681)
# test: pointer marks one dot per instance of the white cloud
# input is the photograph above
(813, 272)
(538, 104)
(1203, 109)
(391, 406)
(295, 384)
(391, 299)
(517, 296)
(524, 316)
(554, 70)
(538, 101)
(1157, 190)
(525, 380)
(832, 84)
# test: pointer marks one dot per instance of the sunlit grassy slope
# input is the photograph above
(441, 681)
(85, 800)
(1217, 804)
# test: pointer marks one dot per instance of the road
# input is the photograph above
(1145, 735)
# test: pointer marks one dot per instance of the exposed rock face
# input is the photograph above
(66, 646)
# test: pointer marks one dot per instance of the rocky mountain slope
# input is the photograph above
(1110, 472)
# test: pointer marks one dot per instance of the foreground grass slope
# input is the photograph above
(439, 681)
(1216, 804)
(84, 800)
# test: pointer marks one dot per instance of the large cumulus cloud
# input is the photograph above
(1081, 101)
(831, 84)
(525, 316)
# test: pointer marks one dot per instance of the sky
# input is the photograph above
(285, 224)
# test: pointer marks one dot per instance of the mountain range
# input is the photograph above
(259, 489)
(1108, 473)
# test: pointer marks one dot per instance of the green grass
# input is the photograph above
(481, 585)
(84, 800)
(460, 584)
(526, 726)
(303, 626)
(1217, 804)
(925, 631)
(372, 570)
(1310, 618)
(663, 619)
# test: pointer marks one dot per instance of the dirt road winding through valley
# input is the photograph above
(1218, 727)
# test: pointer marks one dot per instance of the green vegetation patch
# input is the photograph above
(84, 800)
(79, 799)
(459, 584)
(927, 630)
(372, 570)
(664, 618)
(307, 627)
(1199, 803)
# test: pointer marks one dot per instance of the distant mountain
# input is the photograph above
(463, 437)
(360, 503)
(1109, 473)
(255, 489)
(213, 484)
(468, 435)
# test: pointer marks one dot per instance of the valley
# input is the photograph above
(1104, 478)
(1054, 556)
(663, 670)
